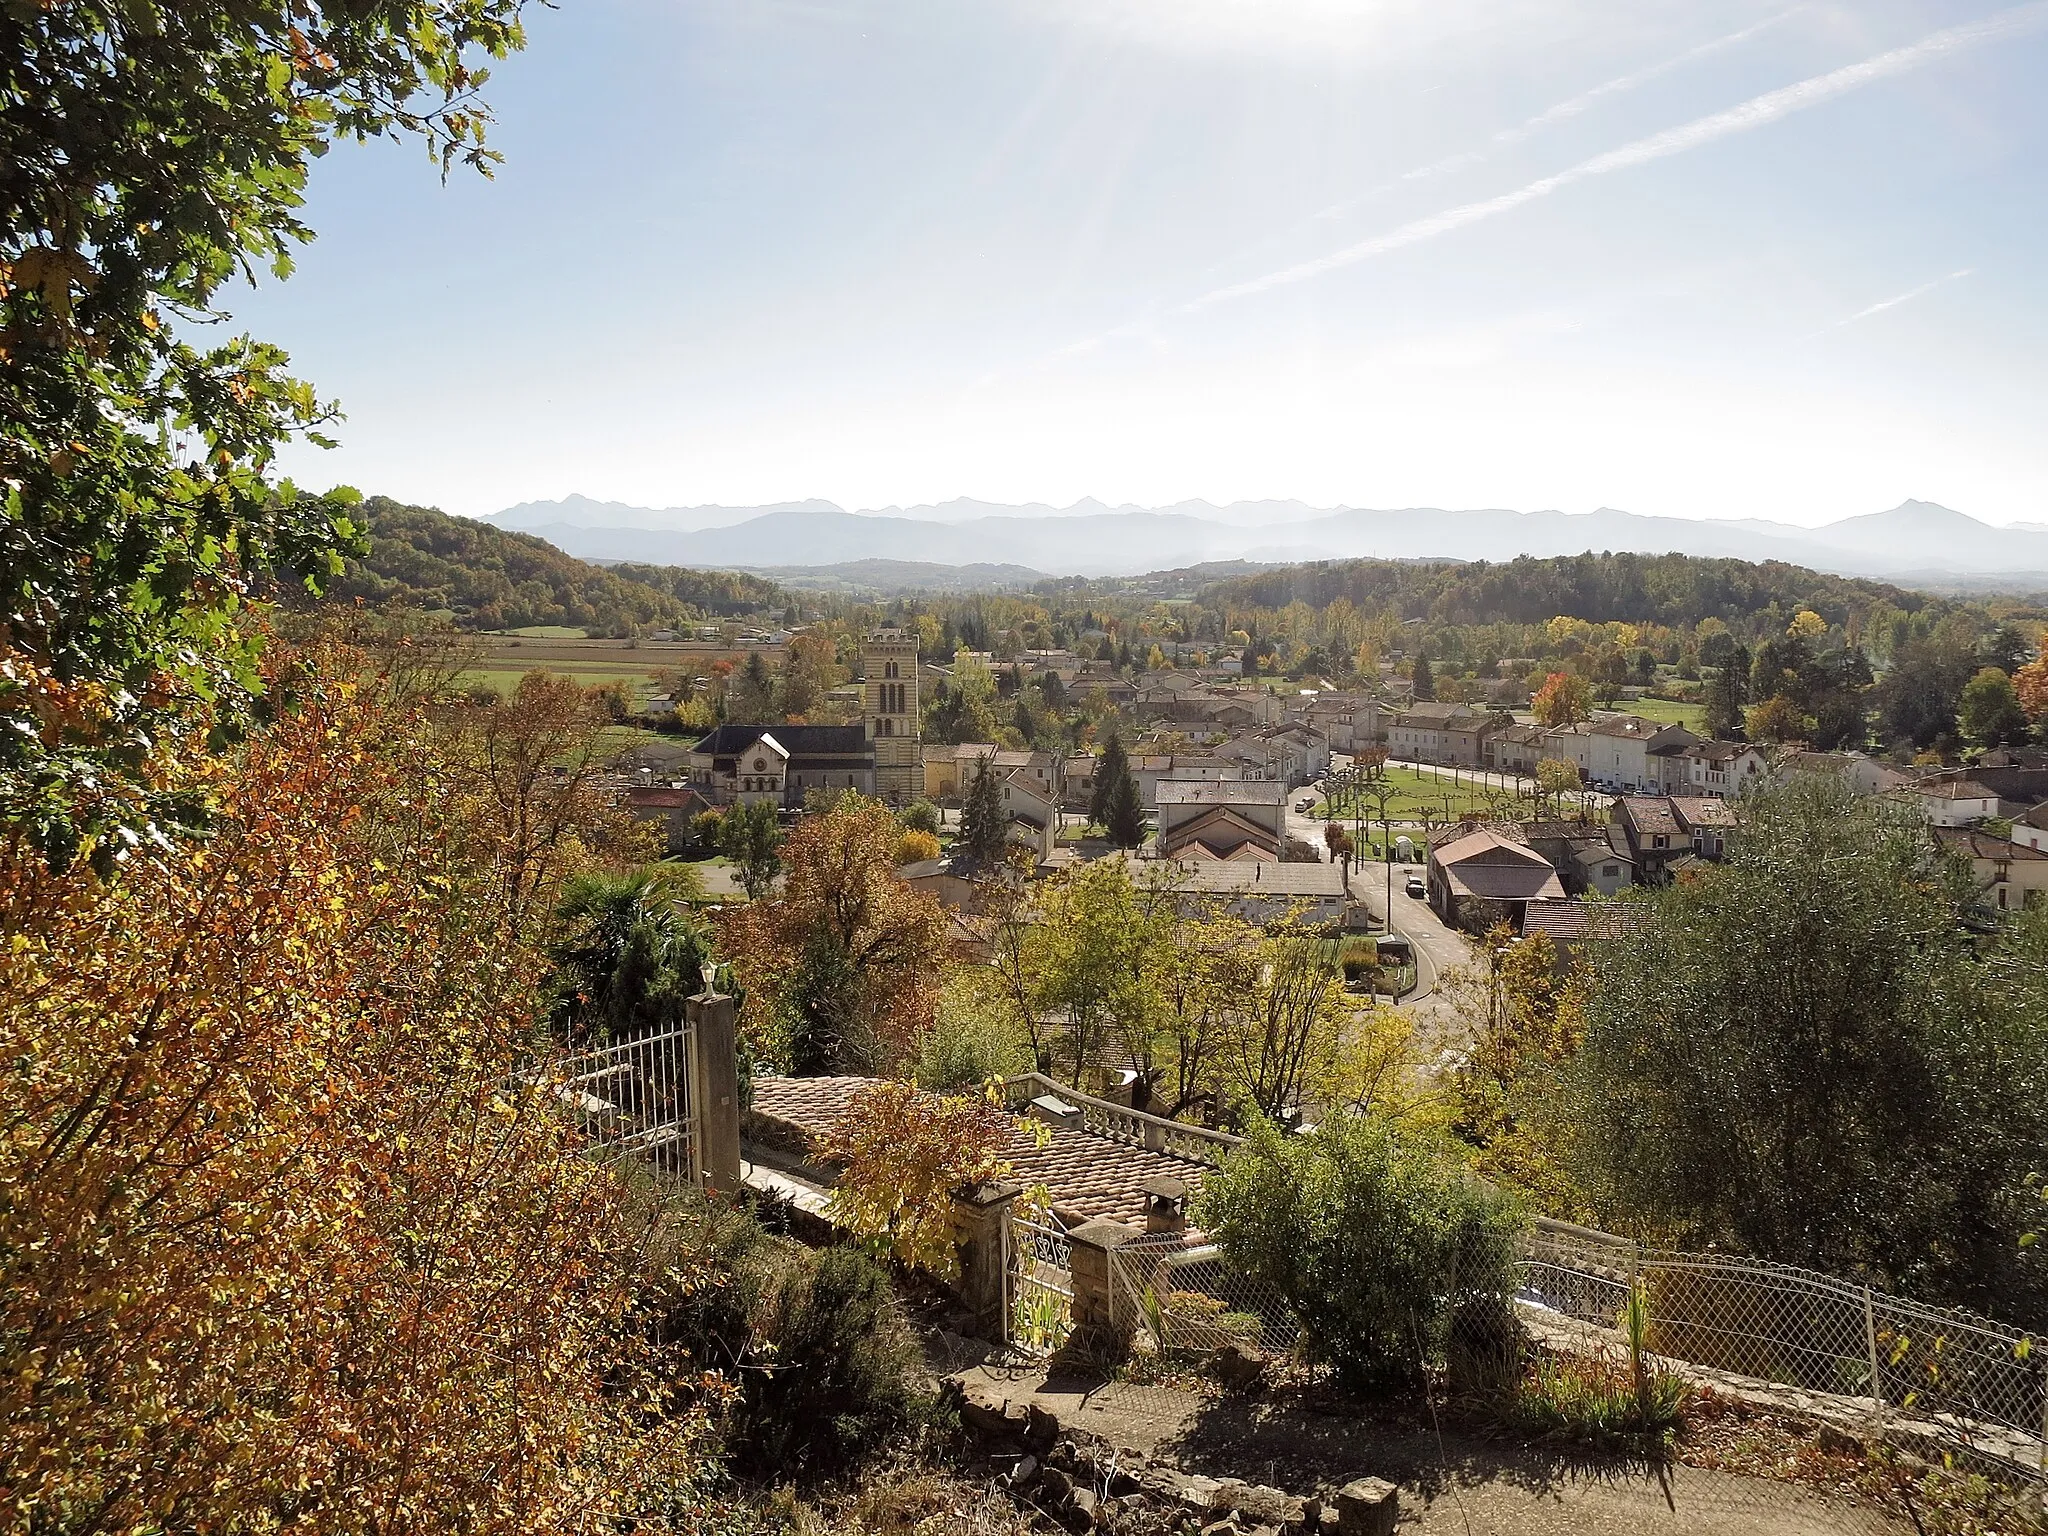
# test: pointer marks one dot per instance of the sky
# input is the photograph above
(1694, 259)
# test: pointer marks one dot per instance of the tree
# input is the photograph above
(1090, 960)
(974, 1035)
(1728, 691)
(1564, 699)
(1425, 683)
(1295, 1020)
(1807, 1052)
(305, 1239)
(902, 1152)
(1807, 625)
(1557, 777)
(842, 969)
(533, 766)
(1989, 710)
(1113, 766)
(140, 513)
(1777, 719)
(915, 847)
(1375, 1234)
(1126, 814)
(2030, 686)
(921, 816)
(630, 956)
(984, 829)
(750, 836)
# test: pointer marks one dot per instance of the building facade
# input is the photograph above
(890, 711)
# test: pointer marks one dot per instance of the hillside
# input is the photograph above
(491, 578)
(1626, 588)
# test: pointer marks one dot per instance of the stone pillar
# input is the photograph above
(981, 1219)
(1368, 1507)
(715, 1090)
(1096, 1321)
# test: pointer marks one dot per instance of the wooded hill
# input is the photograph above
(489, 578)
(1601, 589)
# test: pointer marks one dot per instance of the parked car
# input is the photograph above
(1416, 888)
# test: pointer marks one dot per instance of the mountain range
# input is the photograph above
(1913, 539)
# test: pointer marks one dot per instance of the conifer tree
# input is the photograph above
(1115, 765)
(982, 832)
(1126, 815)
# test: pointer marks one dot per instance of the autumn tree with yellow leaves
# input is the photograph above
(295, 1236)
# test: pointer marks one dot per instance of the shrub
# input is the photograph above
(842, 1373)
(921, 816)
(972, 1039)
(916, 847)
(1375, 1235)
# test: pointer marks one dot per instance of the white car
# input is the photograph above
(1416, 888)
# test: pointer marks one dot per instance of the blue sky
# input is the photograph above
(1719, 260)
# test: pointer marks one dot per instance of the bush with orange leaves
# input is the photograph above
(844, 967)
(283, 1244)
(903, 1152)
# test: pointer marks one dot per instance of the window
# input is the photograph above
(889, 670)
(1610, 871)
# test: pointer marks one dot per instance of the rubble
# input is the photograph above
(1087, 1484)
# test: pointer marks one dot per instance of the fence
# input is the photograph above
(1927, 1377)
(1118, 1122)
(1040, 1312)
(633, 1096)
(1916, 1372)
(1181, 1296)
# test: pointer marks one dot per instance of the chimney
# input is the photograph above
(1166, 1205)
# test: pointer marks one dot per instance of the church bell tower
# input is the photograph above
(888, 664)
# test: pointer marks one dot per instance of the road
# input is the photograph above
(1437, 949)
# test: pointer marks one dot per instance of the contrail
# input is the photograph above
(1900, 298)
(1755, 113)
(1565, 111)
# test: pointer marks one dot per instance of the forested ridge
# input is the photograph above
(493, 578)
(1600, 588)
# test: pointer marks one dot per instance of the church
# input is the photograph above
(781, 764)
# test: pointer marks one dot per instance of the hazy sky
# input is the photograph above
(1723, 259)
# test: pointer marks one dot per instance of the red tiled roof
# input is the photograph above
(1088, 1175)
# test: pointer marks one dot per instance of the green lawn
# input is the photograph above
(1418, 796)
(1666, 711)
(544, 632)
(504, 676)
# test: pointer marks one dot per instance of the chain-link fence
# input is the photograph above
(1921, 1375)
(1178, 1295)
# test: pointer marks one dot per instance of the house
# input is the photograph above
(1416, 733)
(1221, 820)
(1624, 751)
(1587, 855)
(675, 806)
(1077, 780)
(1279, 754)
(1151, 770)
(948, 881)
(1572, 925)
(1707, 820)
(949, 771)
(1866, 775)
(1483, 875)
(1261, 892)
(1517, 748)
(1948, 801)
(1350, 722)
(1468, 737)
(1654, 835)
(741, 764)
(2030, 830)
(1719, 768)
(1032, 814)
(2009, 875)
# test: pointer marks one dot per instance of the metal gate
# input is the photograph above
(1040, 1314)
(634, 1096)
